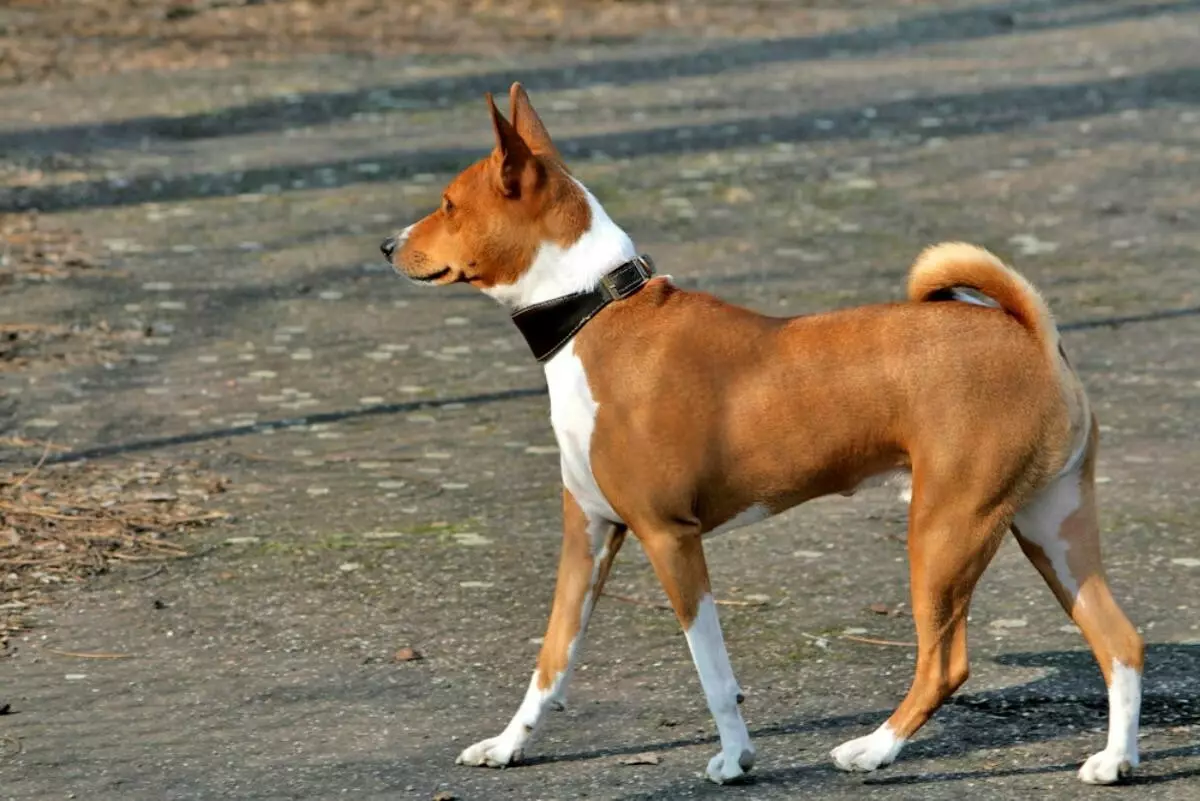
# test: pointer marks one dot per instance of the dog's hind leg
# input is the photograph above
(589, 546)
(678, 560)
(1058, 531)
(949, 546)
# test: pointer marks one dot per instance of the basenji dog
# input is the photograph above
(678, 415)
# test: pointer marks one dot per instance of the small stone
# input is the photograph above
(1186, 561)
(470, 538)
(208, 358)
(330, 294)
(642, 759)
(407, 655)
(240, 540)
(384, 535)
(542, 450)
(1030, 245)
(807, 554)
(349, 567)
(475, 585)
(42, 422)
(172, 305)
(391, 485)
(859, 183)
(737, 195)
(1010, 623)
(854, 631)
(454, 485)
(75, 676)
(314, 491)
(158, 286)
(263, 374)
(371, 400)
(444, 795)
(302, 355)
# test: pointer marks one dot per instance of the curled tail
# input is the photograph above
(942, 271)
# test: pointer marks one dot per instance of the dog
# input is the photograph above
(678, 415)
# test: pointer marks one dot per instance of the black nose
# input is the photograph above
(388, 247)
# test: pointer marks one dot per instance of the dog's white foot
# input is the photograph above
(726, 768)
(494, 752)
(1108, 767)
(878, 749)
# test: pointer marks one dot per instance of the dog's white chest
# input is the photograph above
(573, 416)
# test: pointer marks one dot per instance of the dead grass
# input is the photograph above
(61, 524)
(31, 251)
(47, 40)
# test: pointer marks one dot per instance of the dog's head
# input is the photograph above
(497, 214)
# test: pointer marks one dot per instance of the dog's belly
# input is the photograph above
(899, 479)
(573, 416)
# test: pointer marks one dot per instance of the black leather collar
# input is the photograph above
(549, 326)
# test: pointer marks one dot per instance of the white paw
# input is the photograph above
(878, 749)
(726, 768)
(1108, 767)
(495, 752)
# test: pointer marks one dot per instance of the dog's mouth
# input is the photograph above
(430, 278)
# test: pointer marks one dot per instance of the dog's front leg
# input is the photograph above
(678, 561)
(589, 546)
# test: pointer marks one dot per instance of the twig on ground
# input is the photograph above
(874, 641)
(149, 574)
(36, 467)
(87, 655)
(629, 599)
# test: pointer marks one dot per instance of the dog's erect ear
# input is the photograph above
(512, 158)
(528, 123)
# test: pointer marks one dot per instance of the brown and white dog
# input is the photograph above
(678, 415)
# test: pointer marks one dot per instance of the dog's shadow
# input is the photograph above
(1068, 700)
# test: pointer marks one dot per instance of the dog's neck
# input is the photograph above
(557, 271)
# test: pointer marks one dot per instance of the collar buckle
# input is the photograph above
(618, 285)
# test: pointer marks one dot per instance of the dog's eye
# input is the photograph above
(447, 205)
